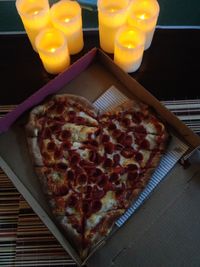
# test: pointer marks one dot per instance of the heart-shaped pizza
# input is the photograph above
(92, 166)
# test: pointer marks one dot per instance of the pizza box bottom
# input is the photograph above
(164, 230)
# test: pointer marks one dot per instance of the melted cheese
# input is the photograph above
(87, 117)
(93, 220)
(79, 132)
(108, 201)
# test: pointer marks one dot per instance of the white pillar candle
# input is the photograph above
(52, 48)
(143, 15)
(66, 16)
(112, 15)
(35, 16)
(129, 48)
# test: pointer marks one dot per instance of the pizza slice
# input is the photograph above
(93, 166)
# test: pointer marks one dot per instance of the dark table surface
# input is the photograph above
(169, 70)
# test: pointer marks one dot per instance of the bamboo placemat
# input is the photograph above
(24, 239)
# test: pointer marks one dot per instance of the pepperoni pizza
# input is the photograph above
(92, 166)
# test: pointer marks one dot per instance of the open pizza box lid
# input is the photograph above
(90, 77)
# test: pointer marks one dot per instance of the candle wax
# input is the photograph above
(112, 15)
(142, 14)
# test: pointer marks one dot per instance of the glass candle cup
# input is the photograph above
(143, 15)
(129, 48)
(35, 17)
(66, 16)
(112, 15)
(53, 51)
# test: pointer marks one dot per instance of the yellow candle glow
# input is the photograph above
(35, 17)
(129, 48)
(112, 15)
(66, 16)
(52, 48)
(143, 15)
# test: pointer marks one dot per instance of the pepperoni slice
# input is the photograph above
(145, 144)
(128, 140)
(82, 178)
(70, 175)
(72, 201)
(61, 166)
(75, 159)
(72, 113)
(105, 138)
(78, 170)
(51, 146)
(119, 147)
(132, 175)
(56, 128)
(79, 120)
(109, 147)
(121, 138)
(140, 129)
(66, 145)
(65, 134)
(126, 122)
(128, 152)
(119, 169)
(108, 163)
(63, 190)
(116, 133)
(114, 177)
(96, 205)
(92, 155)
(132, 167)
(97, 193)
(58, 153)
(116, 159)
(97, 172)
(112, 126)
(86, 206)
(138, 156)
(102, 180)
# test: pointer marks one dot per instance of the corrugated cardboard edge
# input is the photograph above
(38, 210)
(192, 139)
(48, 89)
(75, 69)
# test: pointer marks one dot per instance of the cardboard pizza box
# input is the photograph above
(90, 77)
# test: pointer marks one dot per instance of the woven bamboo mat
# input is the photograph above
(24, 239)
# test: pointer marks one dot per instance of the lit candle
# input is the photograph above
(112, 15)
(52, 48)
(66, 16)
(35, 17)
(143, 15)
(129, 48)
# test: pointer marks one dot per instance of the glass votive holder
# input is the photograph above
(129, 48)
(53, 51)
(35, 16)
(143, 15)
(112, 15)
(66, 16)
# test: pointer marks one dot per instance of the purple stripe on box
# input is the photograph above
(53, 86)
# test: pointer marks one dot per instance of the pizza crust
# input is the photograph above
(35, 151)
(88, 159)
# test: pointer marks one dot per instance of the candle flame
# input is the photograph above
(52, 50)
(66, 20)
(143, 15)
(35, 12)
